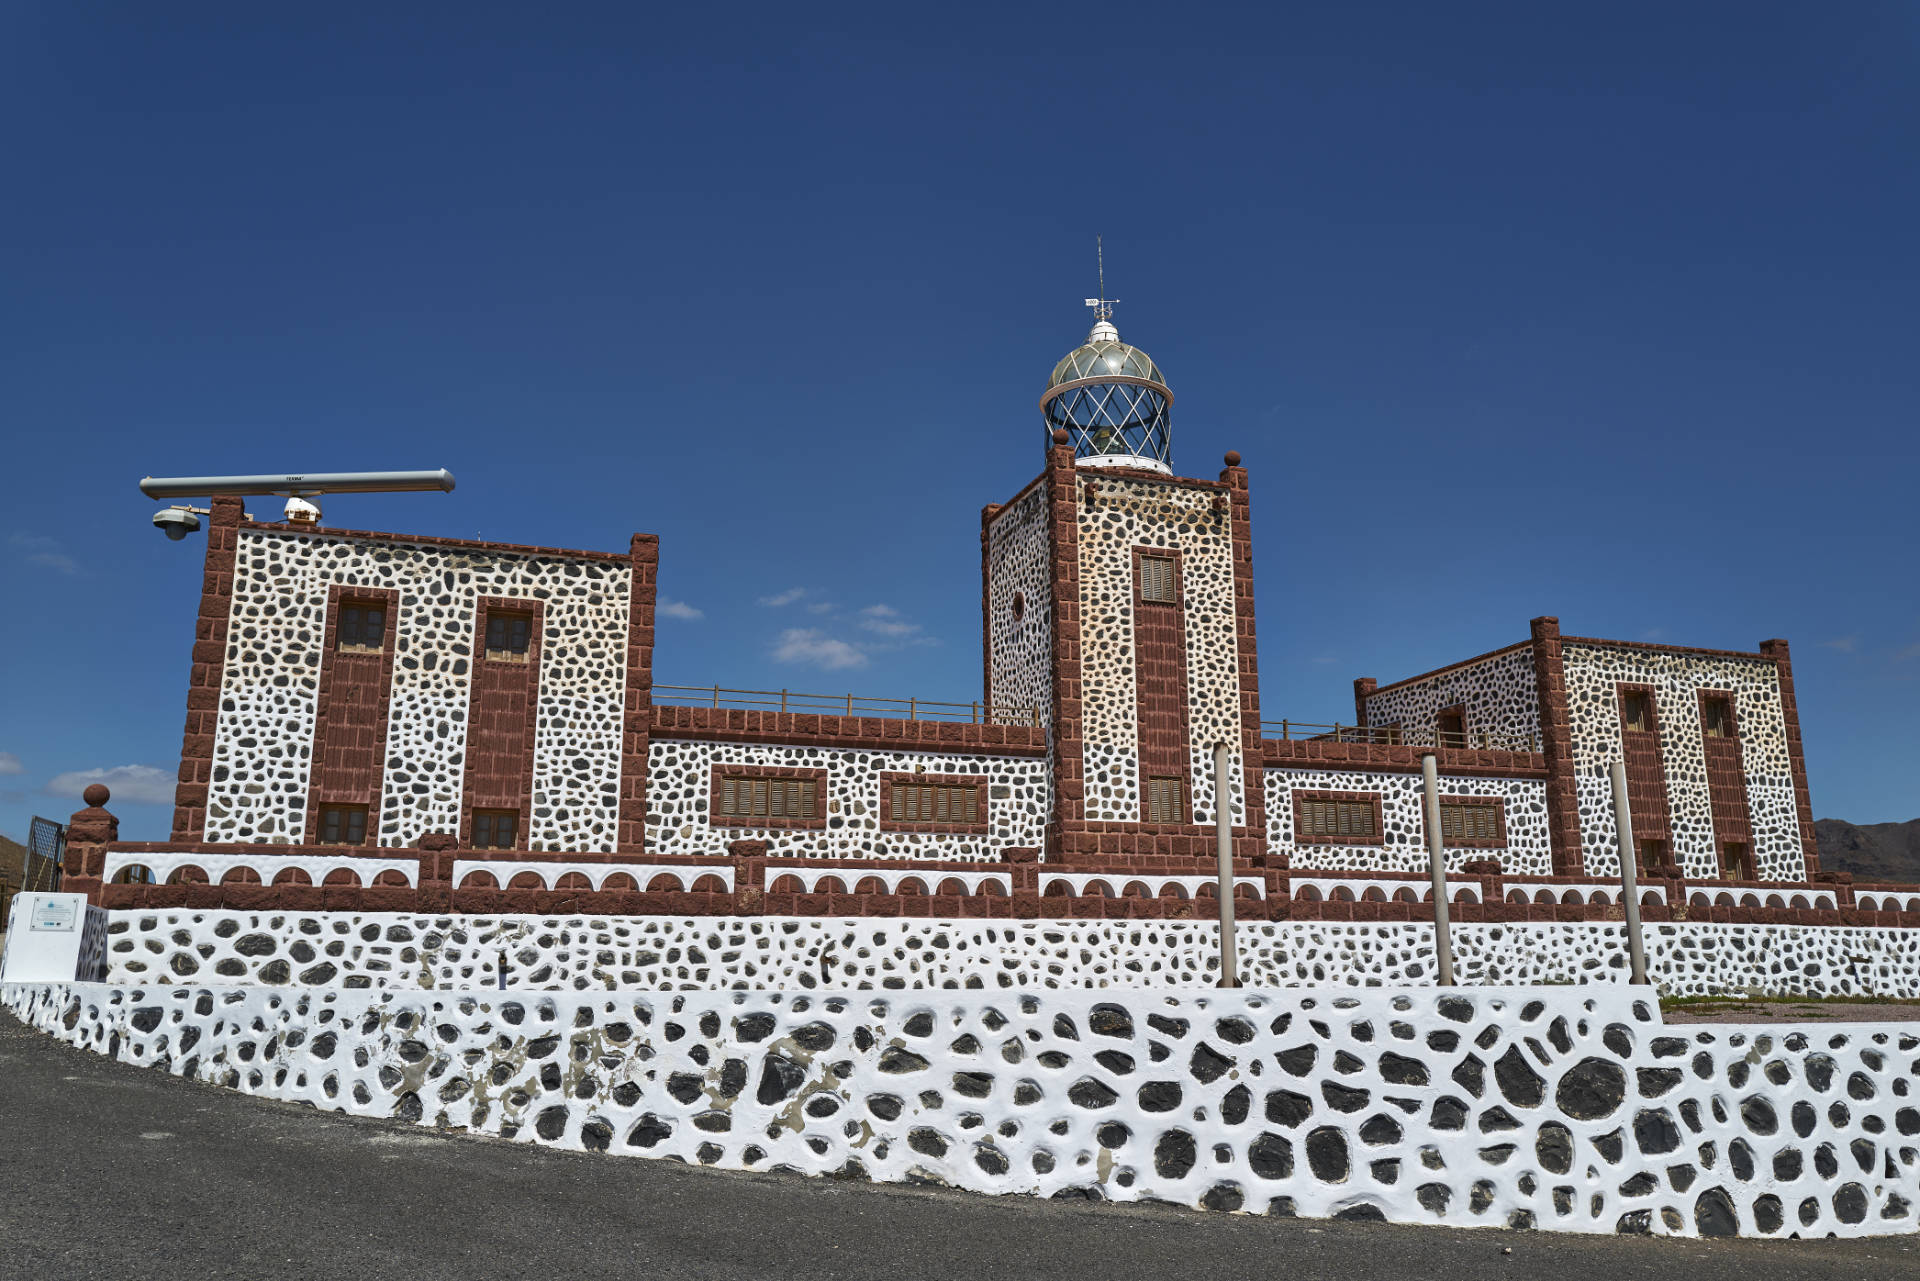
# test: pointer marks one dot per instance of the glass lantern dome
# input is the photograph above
(1113, 403)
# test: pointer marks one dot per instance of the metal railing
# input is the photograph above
(786, 700)
(1397, 736)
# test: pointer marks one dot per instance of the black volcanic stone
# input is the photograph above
(1208, 1064)
(885, 1106)
(1655, 1082)
(1110, 1020)
(1449, 1113)
(1519, 1083)
(1654, 1132)
(1224, 1196)
(1713, 1214)
(1759, 1115)
(685, 1086)
(780, 1076)
(1470, 1074)
(1553, 1146)
(1819, 1070)
(1298, 1059)
(1112, 1134)
(648, 1131)
(1285, 1107)
(1592, 1089)
(733, 1077)
(1234, 1030)
(1174, 1154)
(1342, 1099)
(1768, 1215)
(1379, 1130)
(1159, 1096)
(926, 1142)
(1398, 1069)
(1270, 1156)
(1115, 1062)
(753, 1027)
(1235, 1106)
(1089, 1093)
(1327, 1155)
(1434, 1196)
(1175, 1028)
(900, 1061)
(974, 1085)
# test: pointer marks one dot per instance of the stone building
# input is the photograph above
(381, 719)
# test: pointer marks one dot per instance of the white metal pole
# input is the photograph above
(1629, 884)
(1223, 834)
(1437, 866)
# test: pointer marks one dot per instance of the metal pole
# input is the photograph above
(1629, 885)
(1223, 836)
(1437, 866)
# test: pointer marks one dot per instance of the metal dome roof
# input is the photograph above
(1103, 355)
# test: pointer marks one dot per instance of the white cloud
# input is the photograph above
(138, 784)
(813, 646)
(787, 597)
(885, 620)
(38, 549)
(678, 609)
(1908, 654)
(1845, 644)
(820, 607)
(10, 764)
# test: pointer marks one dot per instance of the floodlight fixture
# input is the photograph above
(300, 490)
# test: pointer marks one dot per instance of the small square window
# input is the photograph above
(1469, 821)
(1636, 711)
(1736, 861)
(362, 627)
(1452, 724)
(495, 829)
(1157, 581)
(1716, 716)
(509, 636)
(343, 825)
(1166, 800)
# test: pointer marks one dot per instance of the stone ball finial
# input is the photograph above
(1233, 458)
(96, 795)
(1059, 435)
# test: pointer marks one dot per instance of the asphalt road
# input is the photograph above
(117, 1171)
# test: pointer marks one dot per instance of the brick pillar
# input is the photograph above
(209, 666)
(89, 832)
(1777, 650)
(1556, 742)
(1063, 540)
(1363, 688)
(1252, 764)
(645, 551)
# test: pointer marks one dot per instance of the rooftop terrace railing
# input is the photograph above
(786, 700)
(1397, 736)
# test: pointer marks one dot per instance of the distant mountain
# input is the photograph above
(1872, 852)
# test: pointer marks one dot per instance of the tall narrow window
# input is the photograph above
(1157, 580)
(362, 627)
(509, 636)
(1736, 861)
(495, 829)
(1452, 723)
(1716, 716)
(1166, 800)
(343, 825)
(1636, 711)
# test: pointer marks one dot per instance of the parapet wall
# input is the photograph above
(1561, 1109)
(402, 950)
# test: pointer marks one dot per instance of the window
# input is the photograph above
(1653, 856)
(1157, 581)
(1019, 606)
(509, 635)
(1736, 862)
(933, 803)
(782, 798)
(343, 825)
(494, 829)
(363, 627)
(1452, 723)
(1336, 820)
(1716, 716)
(1166, 800)
(1636, 711)
(1470, 820)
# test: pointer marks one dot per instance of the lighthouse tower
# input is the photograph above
(1118, 602)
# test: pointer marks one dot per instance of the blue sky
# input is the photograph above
(1602, 311)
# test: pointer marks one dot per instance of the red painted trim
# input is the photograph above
(205, 680)
(334, 782)
(496, 684)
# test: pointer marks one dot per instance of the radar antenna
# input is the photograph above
(1103, 305)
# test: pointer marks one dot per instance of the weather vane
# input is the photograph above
(1103, 305)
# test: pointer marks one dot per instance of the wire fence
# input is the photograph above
(786, 700)
(1396, 736)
